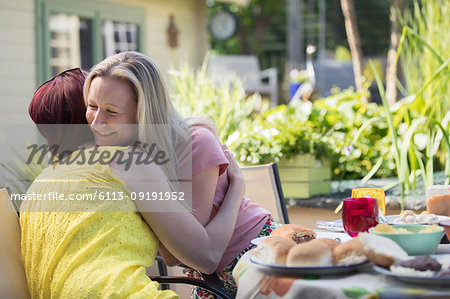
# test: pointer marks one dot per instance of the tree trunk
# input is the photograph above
(391, 66)
(351, 27)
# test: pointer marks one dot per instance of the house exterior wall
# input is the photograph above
(191, 19)
(18, 45)
(18, 51)
(17, 60)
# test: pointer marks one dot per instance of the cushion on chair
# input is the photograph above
(13, 283)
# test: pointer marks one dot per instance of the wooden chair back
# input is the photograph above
(13, 283)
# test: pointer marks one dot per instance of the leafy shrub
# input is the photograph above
(194, 95)
(329, 128)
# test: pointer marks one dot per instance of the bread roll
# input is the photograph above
(273, 250)
(380, 250)
(331, 243)
(350, 252)
(297, 233)
(310, 254)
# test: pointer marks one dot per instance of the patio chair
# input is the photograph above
(246, 68)
(13, 283)
(263, 186)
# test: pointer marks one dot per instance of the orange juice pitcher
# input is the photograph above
(377, 193)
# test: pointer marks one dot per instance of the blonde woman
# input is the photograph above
(100, 247)
(128, 88)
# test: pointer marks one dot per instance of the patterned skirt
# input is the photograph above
(226, 274)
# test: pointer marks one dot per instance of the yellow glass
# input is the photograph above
(377, 193)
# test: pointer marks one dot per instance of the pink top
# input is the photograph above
(208, 152)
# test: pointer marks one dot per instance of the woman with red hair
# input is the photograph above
(60, 101)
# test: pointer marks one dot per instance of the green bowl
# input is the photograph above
(415, 243)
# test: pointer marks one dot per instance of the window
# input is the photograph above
(82, 33)
(70, 42)
(119, 37)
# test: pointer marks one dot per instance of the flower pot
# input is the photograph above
(304, 176)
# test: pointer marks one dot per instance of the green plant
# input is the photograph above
(342, 116)
(21, 174)
(258, 20)
(410, 157)
(423, 117)
(325, 128)
(195, 95)
(423, 49)
(281, 132)
(424, 54)
(419, 123)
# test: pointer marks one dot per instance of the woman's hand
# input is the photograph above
(235, 176)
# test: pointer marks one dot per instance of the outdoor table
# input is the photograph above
(253, 283)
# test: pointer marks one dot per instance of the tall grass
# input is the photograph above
(195, 95)
(425, 109)
(424, 56)
(425, 48)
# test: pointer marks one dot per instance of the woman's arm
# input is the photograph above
(181, 233)
(203, 189)
(201, 163)
(204, 186)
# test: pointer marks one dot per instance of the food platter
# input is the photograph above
(432, 280)
(395, 219)
(443, 281)
(342, 237)
(391, 220)
(299, 271)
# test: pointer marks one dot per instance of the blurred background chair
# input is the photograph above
(247, 69)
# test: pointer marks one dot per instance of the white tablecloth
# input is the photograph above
(365, 283)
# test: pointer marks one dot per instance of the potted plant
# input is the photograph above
(286, 135)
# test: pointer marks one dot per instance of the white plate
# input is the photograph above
(256, 241)
(298, 271)
(342, 237)
(433, 280)
(391, 219)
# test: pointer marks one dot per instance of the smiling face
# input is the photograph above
(111, 109)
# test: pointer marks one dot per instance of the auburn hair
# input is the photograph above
(60, 101)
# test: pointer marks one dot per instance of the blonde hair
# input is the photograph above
(154, 106)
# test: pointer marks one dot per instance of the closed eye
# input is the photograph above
(111, 112)
(92, 106)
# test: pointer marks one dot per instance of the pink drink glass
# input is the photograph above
(359, 214)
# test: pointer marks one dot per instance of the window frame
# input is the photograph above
(94, 10)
